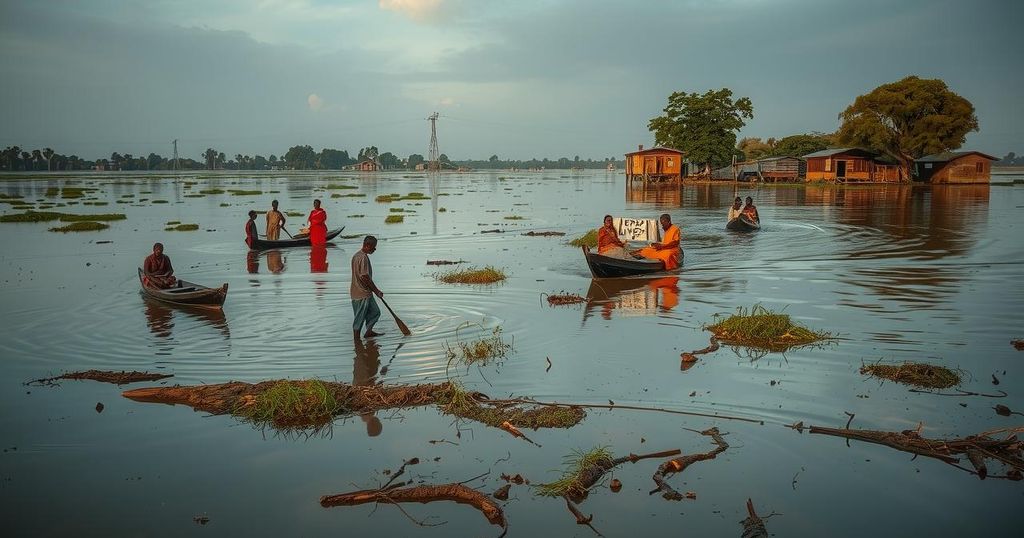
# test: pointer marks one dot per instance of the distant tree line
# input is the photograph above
(1011, 159)
(15, 159)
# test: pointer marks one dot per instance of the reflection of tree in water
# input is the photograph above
(921, 224)
(364, 373)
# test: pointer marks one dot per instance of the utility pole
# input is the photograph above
(175, 154)
(433, 155)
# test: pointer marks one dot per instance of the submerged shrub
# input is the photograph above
(472, 275)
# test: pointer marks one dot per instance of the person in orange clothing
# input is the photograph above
(608, 242)
(668, 250)
(317, 225)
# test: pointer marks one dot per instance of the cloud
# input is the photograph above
(315, 102)
(417, 10)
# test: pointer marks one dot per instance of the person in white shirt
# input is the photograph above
(736, 209)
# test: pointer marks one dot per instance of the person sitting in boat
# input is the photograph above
(317, 225)
(275, 221)
(750, 211)
(736, 209)
(157, 270)
(608, 242)
(250, 229)
(666, 251)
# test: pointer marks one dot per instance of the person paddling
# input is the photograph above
(363, 289)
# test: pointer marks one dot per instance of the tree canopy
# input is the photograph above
(704, 125)
(908, 119)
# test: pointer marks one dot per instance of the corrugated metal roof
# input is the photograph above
(833, 151)
(950, 155)
(655, 148)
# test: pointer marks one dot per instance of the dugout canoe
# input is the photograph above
(299, 240)
(186, 294)
(608, 267)
(743, 223)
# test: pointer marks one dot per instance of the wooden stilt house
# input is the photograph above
(955, 167)
(844, 165)
(657, 164)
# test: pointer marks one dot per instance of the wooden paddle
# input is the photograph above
(286, 231)
(401, 325)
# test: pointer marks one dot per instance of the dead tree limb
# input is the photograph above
(753, 526)
(423, 494)
(680, 464)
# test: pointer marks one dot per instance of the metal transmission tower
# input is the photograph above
(175, 154)
(433, 155)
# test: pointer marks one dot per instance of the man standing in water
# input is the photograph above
(275, 221)
(363, 289)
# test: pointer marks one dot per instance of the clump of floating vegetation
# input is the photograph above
(287, 404)
(442, 210)
(394, 197)
(356, 216)
(295, 213)
(472, 275)
(173, 222)
(588, 239)
(49, 216)
(580, 464)
(514, 217)
(225, 204)
(92, 203)
(243, 192)
(337, 186)
(394, 219)
(480, 350)
(349, 195)
(454, 399)
(760, 327)
(182, 228)
(917, 374)
(353, 236)
(212, 191)
(559, 299)
(396, 210)
(68, 192)
(159, 202)
(81, 226)
(5, 196)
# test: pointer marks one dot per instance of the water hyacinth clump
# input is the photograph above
(588, 239)
(760, 327)
(472, 275)
(917, 374)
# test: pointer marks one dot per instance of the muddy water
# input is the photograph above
(900, 273)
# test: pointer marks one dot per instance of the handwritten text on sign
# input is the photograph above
(638, 229)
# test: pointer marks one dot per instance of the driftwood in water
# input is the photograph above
(544, 234)
(691, 356)
(977, 448)
(423, 494)
(104, 376)
(753, 526)
(444, 262)
(680, 464)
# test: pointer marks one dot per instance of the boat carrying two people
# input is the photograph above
(615, 259)
(743, 218)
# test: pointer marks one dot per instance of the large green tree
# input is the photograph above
(802, 144)
(300, 157)
(908, 119)
(702, 125)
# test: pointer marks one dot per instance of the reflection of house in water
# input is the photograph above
(671, 195)
(632, 296)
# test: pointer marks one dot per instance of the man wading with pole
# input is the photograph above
(363, 289)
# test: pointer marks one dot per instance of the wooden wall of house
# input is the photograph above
(654, 163)
(787, 168)
(967, 169)
(825, 168)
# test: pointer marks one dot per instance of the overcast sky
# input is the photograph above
(520, 79)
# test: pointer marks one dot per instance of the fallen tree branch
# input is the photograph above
(680, 464)
(753, 526)
(580, 518)
(423, 494)
(617, 406)
(104, 376)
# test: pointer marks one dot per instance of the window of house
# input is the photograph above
(927, 165)
(828, 165)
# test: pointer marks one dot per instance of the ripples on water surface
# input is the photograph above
(901, 273)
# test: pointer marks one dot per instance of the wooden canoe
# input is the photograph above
(299, 240)
(743, 223)
(186, 293)
(608, 267)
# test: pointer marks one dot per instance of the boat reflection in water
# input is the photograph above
(632, 296)
(160, 317)
(364, 373)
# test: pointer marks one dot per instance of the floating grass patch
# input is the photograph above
(195, 196)
(356, 216)
(159, 202)
(349, 195)
(917, 374)
(588, 239)
(225, 204)
(295, 213)
(81, 226)
(353, 236)
(336, 186)
(387, 198)
(182, 228)
(243, 192)
(70, 217)
(579, 465)
(212, 191)
(173, 222)
(394, 219)
(479, 350)
(4, 196)
(487, 275)
(559, 299)
(290, 404)
(92, 203)
(514, 217)
(762, 328)
(67, 192)
(442, 210)
(454, 399)
(396, 210)
(49, 216)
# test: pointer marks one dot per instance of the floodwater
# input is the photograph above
(900, 273)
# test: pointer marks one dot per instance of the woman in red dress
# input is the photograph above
(317, 225)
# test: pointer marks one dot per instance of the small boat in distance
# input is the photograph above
(186, 293)
(299, 240)
(610, 167)
(608, 267)
(743, 223)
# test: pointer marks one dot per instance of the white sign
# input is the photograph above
(631, 229)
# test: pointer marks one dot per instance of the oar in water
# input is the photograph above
(401, 325)
(286, 231)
